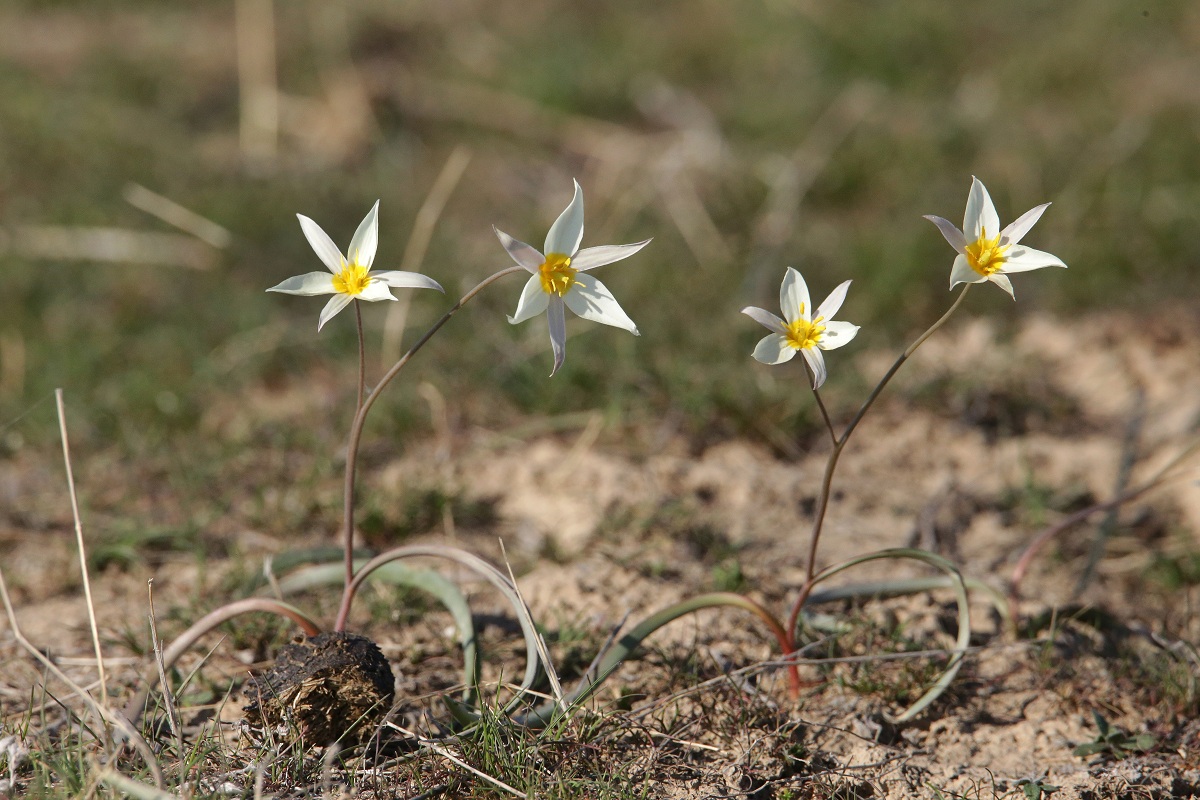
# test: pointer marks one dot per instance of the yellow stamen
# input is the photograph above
(803, 335)
(986, 256)
(557, 274)
(351, 280)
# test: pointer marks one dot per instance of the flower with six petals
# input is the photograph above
(560, 280)
(799, 330)
(987, 253)
(350, 277)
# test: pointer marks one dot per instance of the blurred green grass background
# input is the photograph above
(743, 136)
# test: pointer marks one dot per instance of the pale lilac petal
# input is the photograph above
(557, 316)
(591, 299)
(335, 304)
(592, 257)
(1004, 283)
(1023, 259)
(1021, 225)
(399, 279)
(774, 349)
(366, 239)
(375, 290)
(816, 363)
(326, 250)
(794, 301)
(830, 306)
(567, 231)
(533, 301)
(525, 255)
(307, 285)
(766, 319)
(952, 234)
(837, 334)
(981, 213)
(963, 273)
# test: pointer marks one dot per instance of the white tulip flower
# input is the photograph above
(560, 280)
(799, 330)
(349, 277)
(987, 253)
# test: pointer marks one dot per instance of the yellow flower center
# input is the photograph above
(557, 274)
(985, 255)
(351, 280)
(802, 335)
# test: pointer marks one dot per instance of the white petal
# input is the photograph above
(335, 304)
(1023, 259)
(952, 234)
(1003, 282)
(307, 285)
(963, 273)
(592, 257)
(766, 319)
(981, 213)
(375, 290)
(525, 255)
(591, 299)
(557, 318)
(567, 231)
(327, 251)
(1021, 225)
(794, 301)
(774, 349)
(366, 239)
(837, 334)
(816, 363)
(831, 304)
(400, 279)
(533, 301)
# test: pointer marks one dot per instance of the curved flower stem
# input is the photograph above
(356, 430)
(825, 415)
(362, 356)
(838, 447)
(133, 711)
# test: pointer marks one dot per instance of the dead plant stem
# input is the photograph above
(83, 566)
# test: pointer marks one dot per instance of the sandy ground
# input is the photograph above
(978, 445)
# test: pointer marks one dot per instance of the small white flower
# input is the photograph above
(560, 278)
(799, 331)
(349, 277)
(986, 253)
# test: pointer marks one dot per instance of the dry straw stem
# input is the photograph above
(418, 245)
(174, 214)
(115, 245)
(445, 753)
(543, 651)
(259, 107)
(131, 788)
(168, 696)
(116, 720)
(83, 568)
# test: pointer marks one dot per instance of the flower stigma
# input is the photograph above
(804, 335)
(351, 280)
(985, 255)
(557, 274)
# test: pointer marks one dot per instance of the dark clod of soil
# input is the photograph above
(332, 688)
